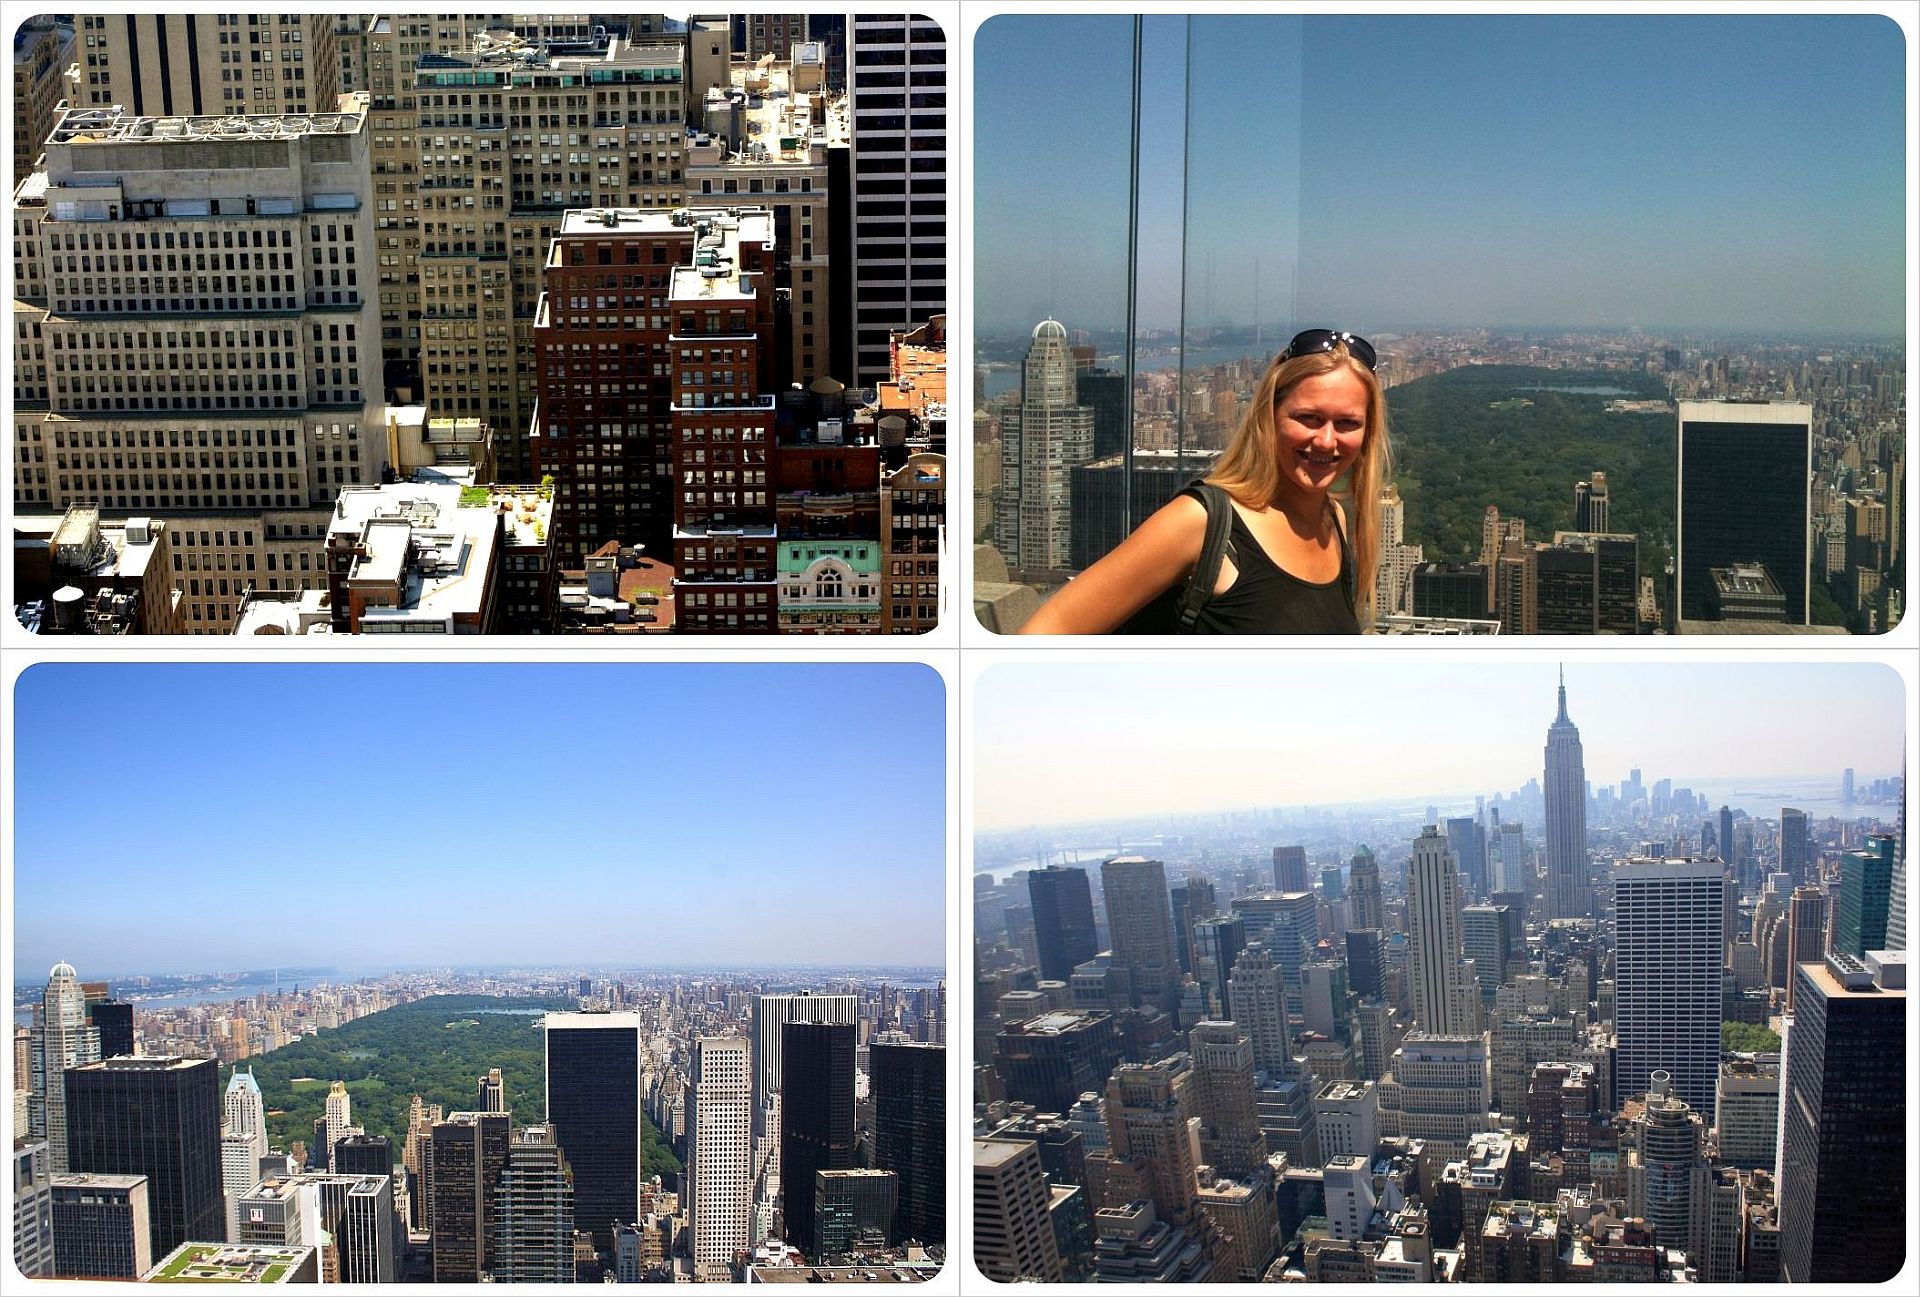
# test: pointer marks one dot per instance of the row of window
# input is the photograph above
(204, 240)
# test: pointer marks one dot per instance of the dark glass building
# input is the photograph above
(1105, 393)
(1587, 583)
(1745, 474)
(1457, 590)
(853, 1210)
(816, 1118)
(1097, 493)
(1843, 1143)
(468, 1152)
(1860, 912)
(1062, 920)
(1366, 963)
(593, 1103)
(157, 1117)
(910, 1136)
(115, 1020)
(1051, 1060)
(363, 1155)
(100, 1227)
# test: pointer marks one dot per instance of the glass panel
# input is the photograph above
(1053, 167)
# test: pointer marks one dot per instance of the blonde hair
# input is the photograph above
(1249, 468)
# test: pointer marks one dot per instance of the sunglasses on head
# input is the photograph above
(1311, 341)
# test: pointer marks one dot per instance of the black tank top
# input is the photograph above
(1264, 599)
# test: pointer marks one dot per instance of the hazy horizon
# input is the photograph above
(1125, 740)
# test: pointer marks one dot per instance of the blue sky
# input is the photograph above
(1125, 739)
(222, 816)
(1718, 172)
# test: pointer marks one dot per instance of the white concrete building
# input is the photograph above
(196, 336)
(1668, 916)
(1041, 440)
(719, 1178)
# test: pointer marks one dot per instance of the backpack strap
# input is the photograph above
(1346, 555)
(1206, 571)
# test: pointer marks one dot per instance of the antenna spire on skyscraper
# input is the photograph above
(1563, 691)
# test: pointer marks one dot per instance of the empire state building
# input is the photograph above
(1569, 886)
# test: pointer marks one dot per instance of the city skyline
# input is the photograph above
(1421, 718)
(1573, 145)
(654, 873)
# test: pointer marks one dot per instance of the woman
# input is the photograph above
(1296, 563)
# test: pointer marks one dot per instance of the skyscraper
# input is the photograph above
(533, 1212)
(1746, 469)
(1217, 942)
(157, 1117)
(115, 1020)
(274, 355)
(1897, 887)
(1062, 920)
(243, 1142)
(1860, 912)
(1149, 1106)
(771, 1014)
(1013, 1235)
(1569, 883)
(101, 1229)
(1796, 853)
(1668, 917)
(1041, 439)
(490, 1091)
(1467, 840)
(612, 448)
(1667, 1177)
(1446, 999)
(1806, 934)
(1194, 899)
(1230, 1137)
(816, 1119)
(166, 64)
(1513, 873)
(1363, 880)
(1591, 503)
(719, 1176)
(339, 1110)
(899, 169)
(61, 1038)
(594, 1106)
(33, 1209)
(1290, 869)
(1257, 1002)
(1844, 1088)
(467, 1153)
(1140, 927)
(909, 1087)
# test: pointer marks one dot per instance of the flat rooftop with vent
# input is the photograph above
(116, 125)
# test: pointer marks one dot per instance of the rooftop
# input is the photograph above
(229, 1263)
(1053, 1024)
(890, 1272)
(781, 128)
(424, 548)
(990, 1152)
(116, 125)
(94, 1180)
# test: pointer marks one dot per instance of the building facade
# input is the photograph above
(1669, 918)
(594, 1111)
